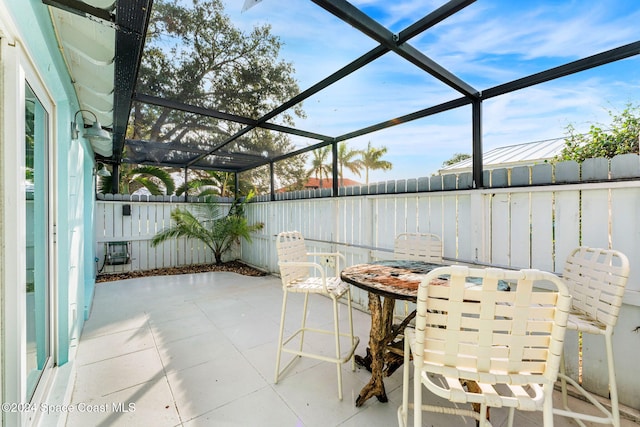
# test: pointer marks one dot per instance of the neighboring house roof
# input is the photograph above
(328, 183)
(513, 155)
(314, 183)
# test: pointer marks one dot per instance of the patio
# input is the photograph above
(199, 350)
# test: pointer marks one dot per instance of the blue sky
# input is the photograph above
(490, 42)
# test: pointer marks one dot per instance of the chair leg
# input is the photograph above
(280, 335)
(483, 422)
(304, 319)
(417, 397)
(511, 417)
(403, 410)
(613, 387)
(547, 406)
(336, 331)
(563, 382)
(610, 416)
(353, 339)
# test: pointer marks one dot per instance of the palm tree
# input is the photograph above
(210, 226)
(208, 183)
(156, 180)
(346, 159)
(371, 160)
(319, 165)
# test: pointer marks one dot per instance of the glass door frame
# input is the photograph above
(32, 79)
(18, 71)
(38, 226)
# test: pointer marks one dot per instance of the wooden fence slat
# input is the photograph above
(436, 217)
(109, 229)
(625, 228)
(449, 228)
(411, 203)
(542, 231)
(116, 217)
(595, 218)
(385, 224)
(400, 214)
(143, 254)
(567, 225)
(424, 214)
(520, 236)
(500, 229)
(464, 245)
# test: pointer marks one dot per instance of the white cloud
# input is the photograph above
(488, 43)
(493, 42)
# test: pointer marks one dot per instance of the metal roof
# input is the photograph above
(512, 155)
(102, 42)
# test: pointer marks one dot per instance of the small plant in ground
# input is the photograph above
(209, 225)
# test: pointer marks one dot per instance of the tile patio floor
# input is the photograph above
(199, 350)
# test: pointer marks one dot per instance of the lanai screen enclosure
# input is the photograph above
(420, 50)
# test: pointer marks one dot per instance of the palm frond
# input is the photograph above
(147, 183)
(209, 224)
(161, 174)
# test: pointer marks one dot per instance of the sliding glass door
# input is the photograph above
(37, 288)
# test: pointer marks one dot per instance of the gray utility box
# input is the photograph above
(117, 253)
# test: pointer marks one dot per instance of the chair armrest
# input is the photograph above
(331, 258)
(307, 264)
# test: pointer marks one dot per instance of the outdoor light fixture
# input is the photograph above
(100, 139)
(94, 134)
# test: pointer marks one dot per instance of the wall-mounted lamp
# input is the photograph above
(100, 139)
(94, 134)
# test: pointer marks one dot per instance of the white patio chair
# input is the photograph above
(505, 346)
(295, 269)
(425, 247)
(596, 279)
(418, 247)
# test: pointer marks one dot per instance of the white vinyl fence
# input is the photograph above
(514, 224)
(135, 223)
(527, 227)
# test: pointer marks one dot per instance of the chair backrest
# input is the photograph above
(419, 247)
(513, 337)
(596, 279)
(290, 247)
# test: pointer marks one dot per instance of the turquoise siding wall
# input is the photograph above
(74, 202)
